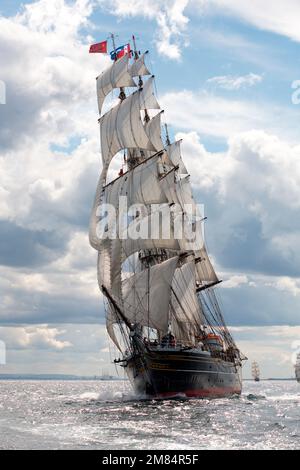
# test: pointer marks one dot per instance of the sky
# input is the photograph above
(227, 76)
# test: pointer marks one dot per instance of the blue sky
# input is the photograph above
(224, 74)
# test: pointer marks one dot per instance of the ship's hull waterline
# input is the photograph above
(171, 374)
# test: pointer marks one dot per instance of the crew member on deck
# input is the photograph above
(168, 341)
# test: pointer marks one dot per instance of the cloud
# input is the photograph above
(213, 115)
(35, 337)
(52, 101)
(251, 195)
(35, 349)
(286, 284)
(168, 14)
(235, 281)
(49, 165)
(173, 16)
(55, 84)
(275, 16)
(80, 349)
(230, 82)
(64, 290)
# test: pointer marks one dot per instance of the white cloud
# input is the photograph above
(213, 115)
(63, 18)
(275, 16)
(33, 337)
(172, 17)
(254, 186)
(235, 281)
(34, 350)
(68, 285)
(51, 101)
(168, 14)
(46, 195)
(287, 284)
(230, 82)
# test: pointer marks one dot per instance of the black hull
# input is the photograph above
(167, 374)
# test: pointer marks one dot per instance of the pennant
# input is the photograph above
(100, 47)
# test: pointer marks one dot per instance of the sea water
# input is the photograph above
(107, 415)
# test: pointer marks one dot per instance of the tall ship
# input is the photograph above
(297, 368)
(159, 285)
(255, 371)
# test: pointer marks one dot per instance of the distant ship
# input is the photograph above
(106, 376)
(297, 368)
(162, 312)
(255, 371)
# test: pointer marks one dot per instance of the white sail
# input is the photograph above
(95, 242)
(139, 68)
(115, 76)
(186, 313)
(147, 97)
(105, 279)
(104, 265)
(179, 191)
(122, 128)
(139, 186)
(187, 216)
(146, 295)
(155, 231)
(113, 253)
(205, 273)
(174, 155)
(153, 131)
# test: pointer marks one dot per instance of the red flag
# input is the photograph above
(100, 47)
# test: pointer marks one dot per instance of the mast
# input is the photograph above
(167, 134)
(136, 57)
(122, 94)
(136, 54)
(112, 36)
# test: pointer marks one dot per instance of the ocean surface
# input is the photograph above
(106, 415)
